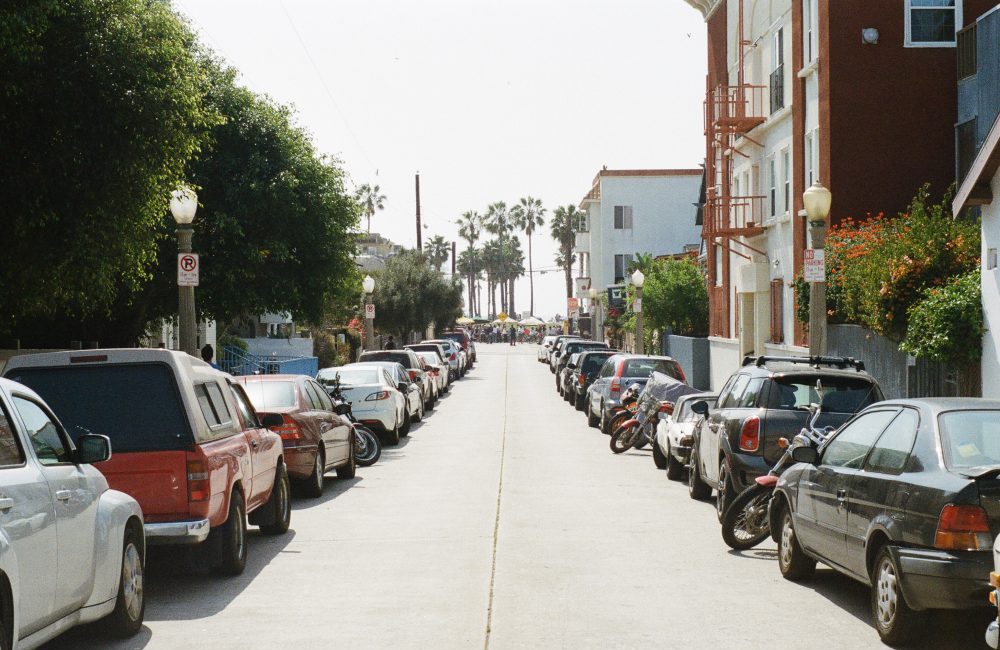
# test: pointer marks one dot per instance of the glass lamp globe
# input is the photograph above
(183, 204)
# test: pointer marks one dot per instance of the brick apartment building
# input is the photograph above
(856, 93)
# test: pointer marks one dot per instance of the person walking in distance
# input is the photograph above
(390, 344)
(513, 335)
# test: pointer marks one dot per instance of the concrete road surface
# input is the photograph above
(503, 521)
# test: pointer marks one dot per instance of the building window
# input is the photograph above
(583, 222)
(718, 265)
(932, 23)
(623, 217)
(786, 179)
(810, 18)
(811, 146)
(778, 72)
(772, 181)
(621, 266)
(965, 138)
(777, 311)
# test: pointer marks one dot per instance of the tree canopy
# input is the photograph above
(410, 295)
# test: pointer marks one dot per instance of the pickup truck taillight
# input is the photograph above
(289, 429)
(750, 434)
(963, 528)
(197, 480)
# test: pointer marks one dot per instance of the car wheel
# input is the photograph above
(350, 468)
(724, 493)
(280, 504)
(392, 437)
(130, 606)
(697, 489)
(895, 622)
(675, 469)
(313, 487)
(658, 458)
(233, 558)
(793, 563)
(580, 403)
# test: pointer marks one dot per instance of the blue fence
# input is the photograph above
(237, 362)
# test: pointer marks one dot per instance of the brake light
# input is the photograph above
(453, 357)
(616, 385)
(413, 375)
(963, 528)
(289, 429)
(197, 480)
(750, 434)
(582, 379)
(374, 397)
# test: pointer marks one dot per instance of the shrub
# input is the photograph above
(947, 324)
(675, 296)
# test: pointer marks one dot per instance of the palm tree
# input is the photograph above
(492, 264)
(528, 215)
(563, 230)
(470, 228)
(513, 268)
(497, 219)
(470, 265)
(371, 199)
(437, 250)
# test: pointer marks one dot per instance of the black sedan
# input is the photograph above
(905, 498)
(578, 378)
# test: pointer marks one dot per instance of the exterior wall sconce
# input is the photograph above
(869, 36)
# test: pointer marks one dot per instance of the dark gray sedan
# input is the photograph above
(905, 498)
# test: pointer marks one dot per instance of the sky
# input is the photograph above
(487, 100)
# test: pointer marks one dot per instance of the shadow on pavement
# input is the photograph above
(332, 488)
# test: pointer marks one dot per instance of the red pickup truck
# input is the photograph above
(188, 445)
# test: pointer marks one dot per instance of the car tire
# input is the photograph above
(895, 622)
(697, 488)
(350, 468)
(5, 635)
(659, 459)
(130, 607)
(593, 421)
(233, 535)
(793, 562)
(580, 402)
(280, 504)
(392, 435)
(724, 493)
(313, 486)
(675, 469)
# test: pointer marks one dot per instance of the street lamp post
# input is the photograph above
(817, 200)
(368, 284)
(183, 204)
(638, 279)
(595, 315)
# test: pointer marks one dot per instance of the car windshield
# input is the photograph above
(348, 376)
(970, 438)
(136, 405)
(840, 394)
(645, 367)
(271, 394)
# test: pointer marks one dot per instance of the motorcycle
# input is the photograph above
(627, 408)
(745, 522)
(367, 446)
(655, 402)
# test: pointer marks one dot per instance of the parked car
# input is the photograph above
(438, 368)
(454, 354)
(188, 444)
(414, 367)
(675, 434)
(557, 348)
(903, 498)
(463, 339)
(585, 369)
(543, 349)
(993, 630)
(569, 348)
(71, 550)
(315, 439)
(767, 399)
(410, 389)
(375, 397)
(425, 346)
(619, 372)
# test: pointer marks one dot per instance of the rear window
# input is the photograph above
(349, 376)
(970, 438)
(137, 406)
(396, 357)
(593, 362)
(645, 367)
(429, 357)
(840, 394)
(266, 395)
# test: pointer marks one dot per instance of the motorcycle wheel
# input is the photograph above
(368, 448)
(616, 421)
(745, 522)
(621, 439)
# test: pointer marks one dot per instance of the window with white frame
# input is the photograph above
(621, 266)
(810, 19)
(772, 183)
(810, 148)
(786, 179)
(718, 265)
(623, 217)
(932, 23)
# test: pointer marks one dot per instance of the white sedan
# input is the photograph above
(376, 400)
(545, 348)
(71, 549)
(674, 434)
(439, 369)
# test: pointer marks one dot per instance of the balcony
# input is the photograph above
(736, 109)
(735, 216)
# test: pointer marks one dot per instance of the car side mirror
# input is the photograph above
(571, 366)
(342, 408)
(93, 448)
(271, 420)
(402, 386)
(805, 455)
(700, 407)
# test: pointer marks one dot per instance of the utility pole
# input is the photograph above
(420, 245)
(453, 246)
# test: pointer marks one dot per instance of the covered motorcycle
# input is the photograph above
(658, 396)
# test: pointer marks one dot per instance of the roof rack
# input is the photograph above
(837, 362)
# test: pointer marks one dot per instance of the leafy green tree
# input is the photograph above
(401, 309)
(370, 198)
(437, 249)
(947, 324)
(529, 215)
(102, 105)
(563, 228)
(675, 296)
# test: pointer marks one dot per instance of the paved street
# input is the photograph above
(504, 522)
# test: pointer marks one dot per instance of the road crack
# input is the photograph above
(496, 519)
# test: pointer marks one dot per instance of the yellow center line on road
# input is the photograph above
(496, 520)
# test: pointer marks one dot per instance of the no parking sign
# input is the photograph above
(187, 269)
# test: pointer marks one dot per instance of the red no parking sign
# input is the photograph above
(187, 269)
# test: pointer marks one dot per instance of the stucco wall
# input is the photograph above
(725, 360)
(991, 296)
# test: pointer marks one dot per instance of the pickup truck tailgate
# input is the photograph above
(156, 479)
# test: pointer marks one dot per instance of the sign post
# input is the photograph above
(814, 265)
(370, 311)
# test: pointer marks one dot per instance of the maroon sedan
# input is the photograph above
(315, 438)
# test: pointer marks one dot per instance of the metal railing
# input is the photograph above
(778, 89)
(736, 108)
(237, 362)
(965, 48)
(736, 215)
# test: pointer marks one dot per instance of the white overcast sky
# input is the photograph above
(489, 100)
